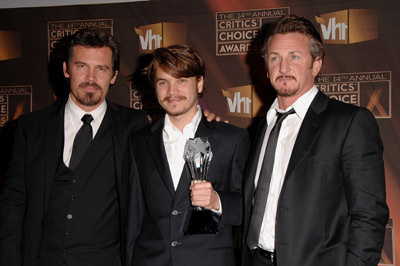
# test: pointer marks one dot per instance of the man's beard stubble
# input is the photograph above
(88, 98)
(286, 92)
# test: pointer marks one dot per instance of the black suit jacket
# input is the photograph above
(24, 201)
(332, 208)
(157, 212)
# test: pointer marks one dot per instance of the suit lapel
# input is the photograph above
(54, 146)
(309, 131)
(251, 168)
(157, 151)
(254, 156)
(117, 132)
(205, 130)
(184, 182)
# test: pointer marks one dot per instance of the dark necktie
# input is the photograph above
(81, 142)
(261, 193)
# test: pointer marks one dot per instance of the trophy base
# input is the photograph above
(200, 222)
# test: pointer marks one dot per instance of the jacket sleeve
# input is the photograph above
(12, 203)
(232, 201)
(364, 176)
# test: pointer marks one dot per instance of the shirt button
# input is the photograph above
(175, 212)
(69, 216)
(174, 243)
(72, 198)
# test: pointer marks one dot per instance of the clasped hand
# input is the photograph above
(202, 194)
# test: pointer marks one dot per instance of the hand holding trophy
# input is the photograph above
(198, 156)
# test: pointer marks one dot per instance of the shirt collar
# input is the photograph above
(301, 105)
(76, 113)
(189, 129)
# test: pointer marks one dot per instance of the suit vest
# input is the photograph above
(82, 223)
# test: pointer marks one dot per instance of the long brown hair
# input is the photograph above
(179, 61)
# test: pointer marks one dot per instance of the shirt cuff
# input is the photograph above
(219, 212)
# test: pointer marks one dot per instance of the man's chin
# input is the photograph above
(174, 112)
(89, 102)
(286, 92)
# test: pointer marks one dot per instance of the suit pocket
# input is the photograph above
(224, 239)
(334, 255)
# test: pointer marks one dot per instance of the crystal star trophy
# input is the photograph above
(198, 156)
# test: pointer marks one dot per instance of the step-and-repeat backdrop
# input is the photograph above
(362, 42)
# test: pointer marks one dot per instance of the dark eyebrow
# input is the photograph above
(157, 80)
(105, 66)
(84, 63)
(79, 62)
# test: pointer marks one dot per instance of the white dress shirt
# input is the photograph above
(72, 123)
(287, 137)
(175, 141)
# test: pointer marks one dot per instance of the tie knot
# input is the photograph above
(87, 119)
(282, 116)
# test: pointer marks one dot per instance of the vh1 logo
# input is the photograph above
(242, 101)
(161, 34)
(349, 26)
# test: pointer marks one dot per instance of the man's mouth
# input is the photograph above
(174, 98)
(89, 86)
(285, 78)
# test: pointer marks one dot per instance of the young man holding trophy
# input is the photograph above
(187, 173)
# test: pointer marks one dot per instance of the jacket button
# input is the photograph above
(69, 216)
(175, 212)
(174, 243)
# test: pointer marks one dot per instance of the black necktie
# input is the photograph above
(261, 193)
(82, 141)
